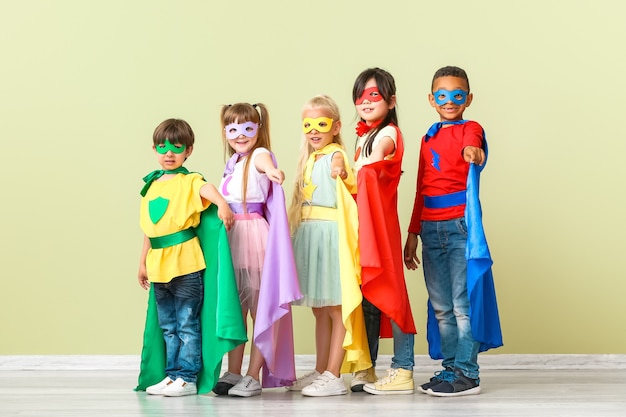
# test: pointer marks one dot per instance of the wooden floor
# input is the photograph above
(534, 393)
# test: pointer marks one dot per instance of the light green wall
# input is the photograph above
(84, 83)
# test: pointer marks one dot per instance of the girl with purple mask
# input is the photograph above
(261, 251)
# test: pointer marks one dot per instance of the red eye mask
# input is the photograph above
(372, 94)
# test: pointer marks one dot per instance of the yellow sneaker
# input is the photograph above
(361, 378)
(397, 381)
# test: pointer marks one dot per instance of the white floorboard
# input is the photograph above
(579, 391)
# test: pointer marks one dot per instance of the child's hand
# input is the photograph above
(474, 155)
(142, 277)
(339, 171)
(226, 215)
(410, 252)
(276, 175)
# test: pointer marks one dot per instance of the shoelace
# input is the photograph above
(445, 375)
(391, 375)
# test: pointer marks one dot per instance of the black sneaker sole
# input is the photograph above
(222, 388)
(357, 388)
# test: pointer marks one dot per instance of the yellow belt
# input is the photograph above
(319, 213)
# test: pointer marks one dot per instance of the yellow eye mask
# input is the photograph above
(321, 124)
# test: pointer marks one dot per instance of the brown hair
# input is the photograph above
(177, 131)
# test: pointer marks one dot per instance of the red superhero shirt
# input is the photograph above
(442, 170)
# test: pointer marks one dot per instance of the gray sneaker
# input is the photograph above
(226, 382)
(247, 387)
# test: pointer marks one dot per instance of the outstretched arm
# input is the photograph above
(338, 166)
(209, 192)
(385, 147)
(474, 155)
(263, 163)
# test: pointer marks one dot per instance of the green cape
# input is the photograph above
(222, 322)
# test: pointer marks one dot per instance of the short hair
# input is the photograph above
(177, 131)
(450, 71)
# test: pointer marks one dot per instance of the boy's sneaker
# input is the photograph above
(157, 389)
(303, 381)
(226, 382)
(247, 387)
(446, 375)
(461, 385)
(325, 385)
(397, 381)
(179, 388)
(366, 376)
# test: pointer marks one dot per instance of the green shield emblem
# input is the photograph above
(157, 208)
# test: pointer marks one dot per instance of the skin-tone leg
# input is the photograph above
(235, 356)
(336, 351)
(256, 359)
(322, 338)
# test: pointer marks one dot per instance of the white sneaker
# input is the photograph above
(303, 381)
(226, 382)
(247, 387)
(325, 385)
(179, 388)
(157, 389)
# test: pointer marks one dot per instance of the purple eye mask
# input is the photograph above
(234, 130)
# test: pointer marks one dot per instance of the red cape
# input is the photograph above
(380, 241)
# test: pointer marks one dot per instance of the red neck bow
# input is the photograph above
(362, 128)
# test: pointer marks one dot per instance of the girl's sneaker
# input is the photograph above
(397, 381)
(303, 381)
(366, 376)
(325, 385)
(247, 387)
(226, 382)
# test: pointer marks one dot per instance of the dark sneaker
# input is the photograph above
(446, 375)
(226, 382)
(461, 385)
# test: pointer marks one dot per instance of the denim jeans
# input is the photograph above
(403, 343)
(178, 305)
(445, 273)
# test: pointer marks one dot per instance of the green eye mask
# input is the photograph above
(167, 146)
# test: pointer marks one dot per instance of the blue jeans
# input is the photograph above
(403, 343)
(445, 273)
(178, 305)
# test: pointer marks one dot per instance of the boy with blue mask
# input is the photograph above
(462, 309)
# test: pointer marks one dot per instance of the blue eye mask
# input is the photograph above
(458, 97)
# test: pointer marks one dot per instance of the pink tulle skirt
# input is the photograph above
(248, 239)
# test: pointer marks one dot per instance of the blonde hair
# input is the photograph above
(295, 209)
(241, 113)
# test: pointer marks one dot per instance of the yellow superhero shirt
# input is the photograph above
(170, 206)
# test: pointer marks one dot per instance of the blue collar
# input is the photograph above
(436, 126)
